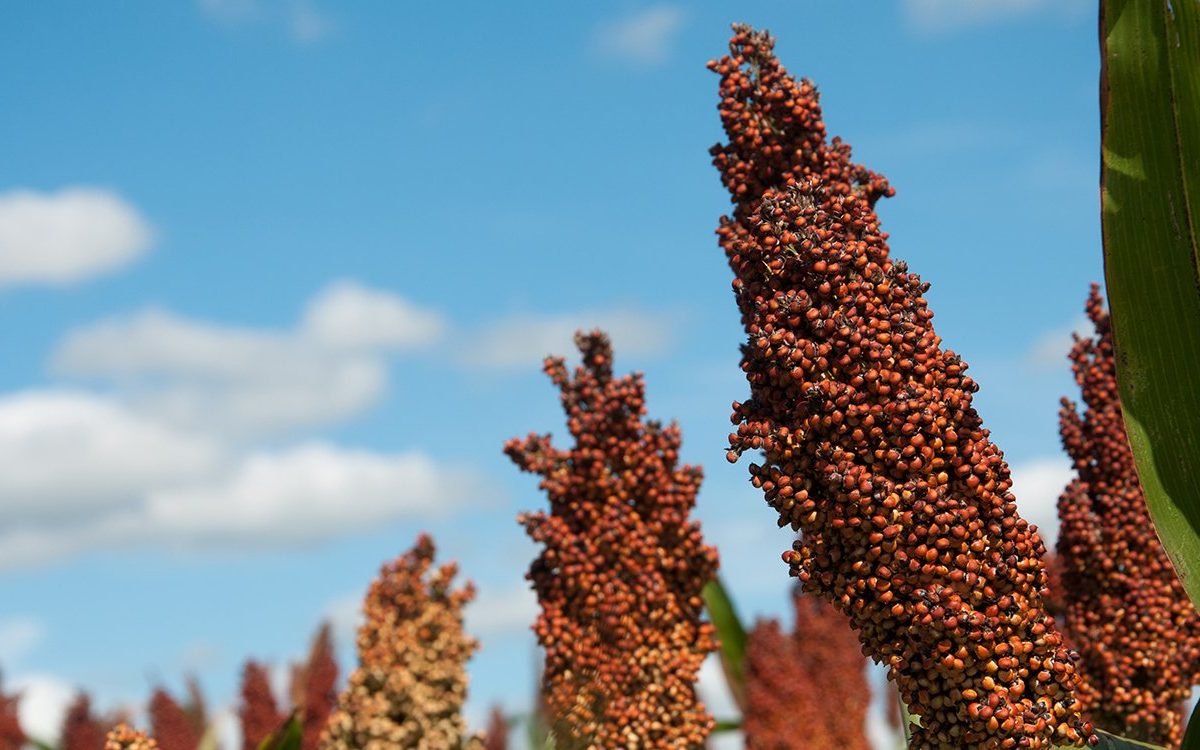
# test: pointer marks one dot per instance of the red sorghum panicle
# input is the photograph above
(871, 447)
(171, 724)
(1125, 609)
(12, 737)
(258, 711)
(124, 737)
(320, 687)
(81, 730)
(620, 575)
(411, 682)
(496, 737)
(793, 680)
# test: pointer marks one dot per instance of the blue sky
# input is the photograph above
(276, 277)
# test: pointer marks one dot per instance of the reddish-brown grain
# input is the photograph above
(620, 574)
(1124, 607)
(871, 447)
(258, 710)
(793, 680)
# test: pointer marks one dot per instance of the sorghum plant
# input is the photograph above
(124, 737)
(793, 679)
(411, 682)
(174, 727)
(12, 737)
(497, 731)
(871, 447)
(258, 711)
(1125, 608)
(620, 575)
(81, 730)
(319, 687)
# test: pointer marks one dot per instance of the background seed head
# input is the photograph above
(622, 567)
(1123, 605)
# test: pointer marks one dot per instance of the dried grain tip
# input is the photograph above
(622, 566)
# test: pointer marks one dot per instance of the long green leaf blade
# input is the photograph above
(732, 635)
(1150, 196)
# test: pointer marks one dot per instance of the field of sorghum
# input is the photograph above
(862, 437)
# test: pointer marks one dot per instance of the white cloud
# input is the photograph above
(525, 340)
(713, 690)
(44, 702)
(1050, 349)
(247, 381)
(18, 637)
(309, 492)
(942, 16)
(70, 235)
(300, 18)
(1037, 485)
(345, 615)
(306, 24)
(69, 455)
(348, 315)
(302, 494)
(501, 611)
(645, 38)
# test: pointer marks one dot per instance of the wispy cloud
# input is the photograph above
(301, 19)
(19, 636)
(523, 341)
(1050, 349)
(1037, 484)
(644, 38)
(243, 381)
(946, 16)
(67, 236)
(261, 498)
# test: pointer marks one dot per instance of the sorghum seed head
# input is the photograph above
(173, 726)
(806, 690)
(258, 711)
(870, 445)
(124, 737)
(81, 730)
(620, 575)
(411, 682)
(1123, 605)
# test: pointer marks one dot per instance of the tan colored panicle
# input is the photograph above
(622, 566)
(794, 679)
(125, 737)
(1123, 605)
(409, 688)
(870, 445)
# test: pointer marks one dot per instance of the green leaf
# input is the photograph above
(1150, 198)
(290, 736)
(732, 636)
(1113, 742)
(727, 725)
(1191, 740)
